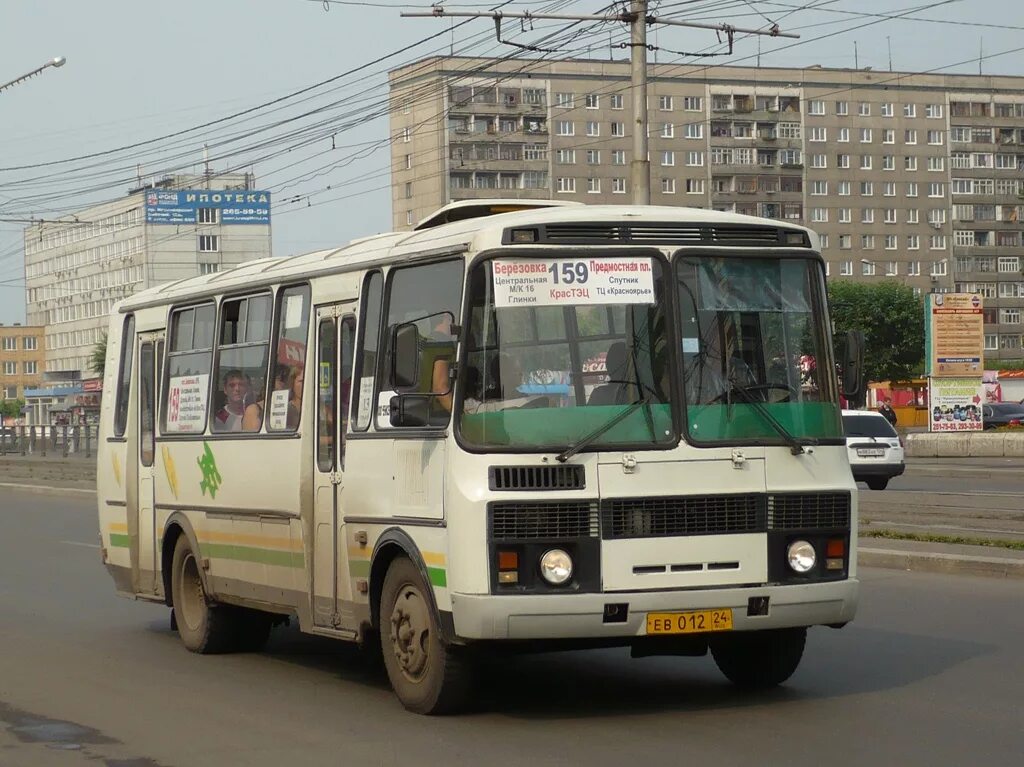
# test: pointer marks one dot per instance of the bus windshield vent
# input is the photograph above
(768, 235)
(670, 233)
(683, 515)
(542, 520)
(808, 511)
(579, 233)
(536, 477)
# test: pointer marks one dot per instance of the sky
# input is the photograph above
(138, 72)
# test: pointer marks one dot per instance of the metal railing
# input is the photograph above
(63, 441)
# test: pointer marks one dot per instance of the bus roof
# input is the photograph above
(470, 233)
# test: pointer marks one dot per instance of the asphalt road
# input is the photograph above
(931, 673)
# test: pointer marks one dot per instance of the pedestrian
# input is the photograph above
(886, 410)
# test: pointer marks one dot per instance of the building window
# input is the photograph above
(665, 103)
(865, 135)
(535, 152)
(867, 268)
(668, 186)
(819, 215)
(867, 215)
(910, 110)
(816, 108)
(867, 188)
(565, 185)
(535, 179)
(593, 186)
(888, 162)
(592, 101)
(938, 242)
(618, 129)
(618, 156)
(593, 128)
(593, 157)
(845, 267)
(891, 244)
(913, 268)
(615, 100)
(408, 162)
(565, 156)
(844, 136)
(864, 109)
(845, 243)
(693, 103)
(819, 187)
(10, 343)
(842, 161)
(695, 186)
(564, 100)
(209, 243)
(668, 158)
(865, 162)
(565, 128)
(695, 130)
(844, 188)
(408, 190)
(30, 343)
(789, 130)
(618, 186)
(913, 243)
(842, 108)
(890, 215)
(910, 136)
(819, 161)
(207, 215)
(867, 242)
(935, 137)
(912, 189)
(887, 110)
(208, 268)
(933, 111)
(695, 159)
(959, 135)
(1009, 264)
(991, 342)
(936, 189)
(408, 218)
(816, 134)
(10, 368)
(937, 163)
(910, 163)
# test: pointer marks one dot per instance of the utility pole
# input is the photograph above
(638, 20)
(57, 62)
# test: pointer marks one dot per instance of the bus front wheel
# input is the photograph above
(427, 675)
(759, 659)
(203, 626)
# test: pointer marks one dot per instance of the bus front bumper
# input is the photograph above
(583, 616)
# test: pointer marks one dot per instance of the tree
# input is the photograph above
(11, 408)
(892, 319)
(98, 357)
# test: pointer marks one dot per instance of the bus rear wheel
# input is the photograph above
(428, 676)
(759, 659)
(204, 627)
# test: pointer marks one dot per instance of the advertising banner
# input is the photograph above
(570, 282)
(186, 404)
(956, 404)
(232, 206)
(955, 330)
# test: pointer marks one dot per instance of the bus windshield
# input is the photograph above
(755, 350)
(560, 348)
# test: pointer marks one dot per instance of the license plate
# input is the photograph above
(692, 622)
(871, 452)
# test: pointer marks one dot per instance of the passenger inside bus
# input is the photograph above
(236, 388)
(296, 378)
(500, 389)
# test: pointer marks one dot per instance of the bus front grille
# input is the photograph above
(808, 511)
(683, 515)
(513, 521)
(568, 477)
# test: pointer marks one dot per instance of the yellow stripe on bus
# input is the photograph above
(262, 541)
(119, 527)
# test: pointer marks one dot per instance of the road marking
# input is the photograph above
(946, 527)
(79, 543)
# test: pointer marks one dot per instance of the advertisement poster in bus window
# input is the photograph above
(186, 404)
(956, 404)
(571, 282)
(278, 410)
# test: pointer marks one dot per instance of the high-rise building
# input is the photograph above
(21, 359)
(78, 267)
(905, 176)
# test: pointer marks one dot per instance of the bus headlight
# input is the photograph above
(801, 556)
(556, 567)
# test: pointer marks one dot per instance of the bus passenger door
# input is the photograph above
(150, 346)
(333, 375)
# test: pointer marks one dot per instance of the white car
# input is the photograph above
(874, 448)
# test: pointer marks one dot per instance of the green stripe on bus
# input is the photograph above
(438, 576)
(359, 568)
(119, 540)
(253, 554)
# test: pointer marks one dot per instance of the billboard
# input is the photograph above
(234, 206)
(955, 335)
(956, 404)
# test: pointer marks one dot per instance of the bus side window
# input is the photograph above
(240, 378)
(124, 375)
(348, 344)
(366, 363)
(189, 355)
(147, 391)
(429, 296)
(288, 359)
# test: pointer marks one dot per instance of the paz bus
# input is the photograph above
(522, 425)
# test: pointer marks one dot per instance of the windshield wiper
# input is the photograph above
(796, 446)
(570, 451)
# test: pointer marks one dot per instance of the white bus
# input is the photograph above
(521, 425)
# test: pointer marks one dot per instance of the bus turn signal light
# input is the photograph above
(508, 560)
(835, 548)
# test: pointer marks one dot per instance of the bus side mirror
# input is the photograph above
(853, 366)
(405, 357)
(410, 410)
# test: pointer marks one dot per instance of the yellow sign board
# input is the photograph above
(956, 335)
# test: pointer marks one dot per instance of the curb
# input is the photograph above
(964, 473)
(935, 562)
(47, 489)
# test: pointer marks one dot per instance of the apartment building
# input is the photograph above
(905, 176)
(78, 267)
(21, 359)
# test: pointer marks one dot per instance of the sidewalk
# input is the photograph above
(955, 516)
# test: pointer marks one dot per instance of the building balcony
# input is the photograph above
(496, 193)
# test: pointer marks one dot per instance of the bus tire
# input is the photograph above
(759, 659)
(252, 628)
(204, 627)
(428, 676)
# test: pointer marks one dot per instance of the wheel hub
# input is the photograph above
(410, 632)
(193, 600)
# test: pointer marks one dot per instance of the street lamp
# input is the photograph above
(59, 61)
(872, 264)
